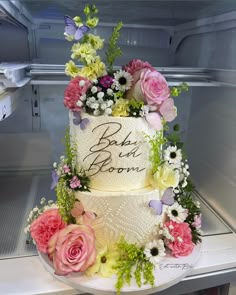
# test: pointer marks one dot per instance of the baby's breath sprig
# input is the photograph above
(133, 262)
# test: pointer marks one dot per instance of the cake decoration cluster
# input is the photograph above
(64, 230)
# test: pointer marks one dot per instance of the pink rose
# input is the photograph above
(182, 244)
(135, 66)
(151, 87)
(168, 110)
(44, 227)
(76, 88)
(72, 249)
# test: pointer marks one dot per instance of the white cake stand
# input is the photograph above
(170, 271)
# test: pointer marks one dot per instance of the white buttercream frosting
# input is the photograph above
(113, 151)
(122, 213)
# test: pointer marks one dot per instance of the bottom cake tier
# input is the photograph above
(122, 214)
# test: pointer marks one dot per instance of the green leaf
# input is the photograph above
(113, 50)
(176, 127)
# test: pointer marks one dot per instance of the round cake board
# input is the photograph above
(169, 272)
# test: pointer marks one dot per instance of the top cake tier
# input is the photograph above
(112, 151)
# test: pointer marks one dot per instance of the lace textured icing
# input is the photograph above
(122, 213)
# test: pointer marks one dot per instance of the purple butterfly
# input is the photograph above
(166, 199)
(79, 121)
(55, 178)
(72, 29)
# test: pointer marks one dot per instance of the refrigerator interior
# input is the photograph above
(188, 41)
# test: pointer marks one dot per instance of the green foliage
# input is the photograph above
(132, 263)
(177, 90)
(135, 107)
(113, 50)
(187, 201)
(65, 201)
(156, 143)
(70, 151)
(174, 137)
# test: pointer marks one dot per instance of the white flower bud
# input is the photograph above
(96, 113)
(110, 91)
(79, 103)
(108, 111)
(81, 83)
(94, 89)
(100, 94)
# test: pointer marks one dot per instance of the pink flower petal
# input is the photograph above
(154, 120)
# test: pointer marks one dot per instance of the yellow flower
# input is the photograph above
(71, 69)
(78, 21)
(95, 41)
(121, 108)
(165, 177)
(92, 22)
(83, 51)
(94, 70)
(105, 261)
(69, 37)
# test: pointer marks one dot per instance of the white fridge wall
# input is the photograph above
(15, 41)
(208, 50)
(211, 135)
(211, 142)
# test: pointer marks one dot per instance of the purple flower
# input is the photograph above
(106, 81)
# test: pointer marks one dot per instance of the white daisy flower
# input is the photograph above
(154, 251)
(177, 213)
(173, 156)
(123, 80)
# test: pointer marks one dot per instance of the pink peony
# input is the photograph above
(151, 87)
(44, 227)
(135, 66)
(76, 88)
(182, 244)
(72, 249)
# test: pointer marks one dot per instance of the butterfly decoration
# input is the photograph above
(55, 179)
(79, 121)
(82, 216)
(72, 29)
(166, 199)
